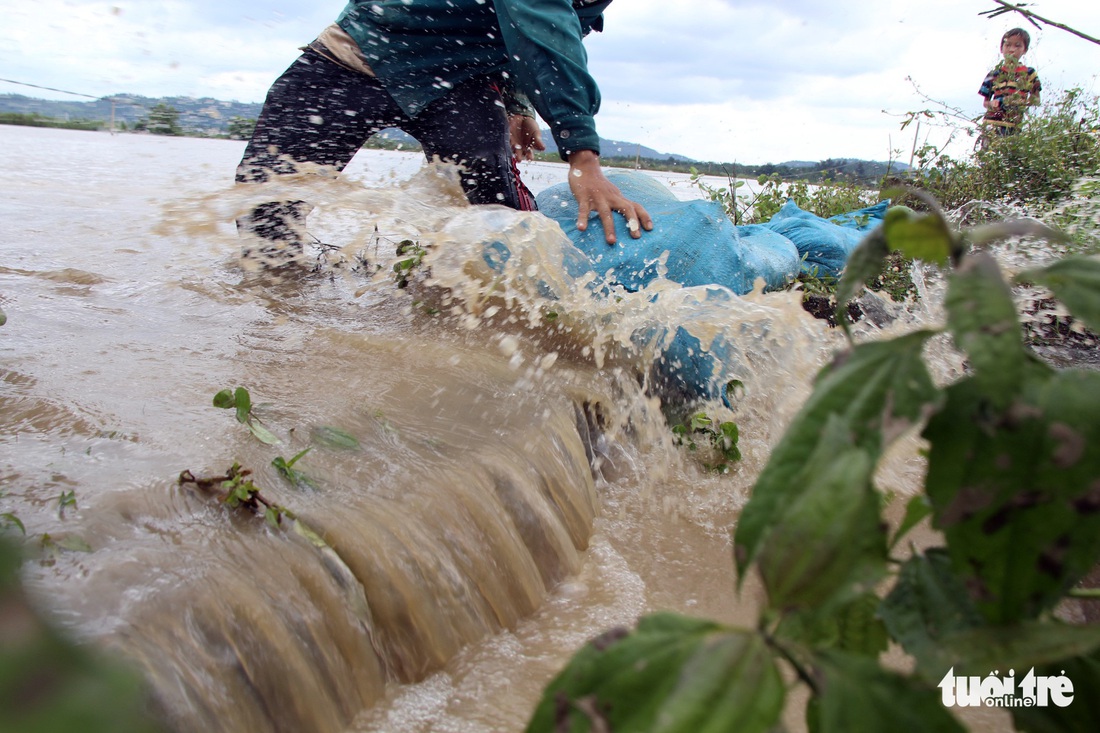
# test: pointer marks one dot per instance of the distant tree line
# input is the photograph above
(832, 170)
(36, 120)
(164, 119)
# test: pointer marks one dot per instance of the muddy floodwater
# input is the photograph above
(491, 487)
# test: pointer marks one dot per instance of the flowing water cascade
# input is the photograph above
(490, 478)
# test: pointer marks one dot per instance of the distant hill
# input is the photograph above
(211, 116)
(620, 149)
(208, 116)
(608, 148)
(197, 115)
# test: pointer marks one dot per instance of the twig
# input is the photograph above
(1007, 7)
(1086, 593)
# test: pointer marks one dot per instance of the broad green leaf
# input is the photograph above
(304, 530)
(299, 454)
(699, 421)
(982, 319)
(853, 627)
(51, 683)
(810, 629)
(878, 389)
(672, 675)
(1083, 714)
(73, 543)
(225, 399)
(986, 234)
(925, 237)
(1076, 282)
(927, 603)
(335, 438)
(1017, 646)
(286, 469)
(861, 630)
(243, 402)
(856, 694)
(1017, 491)
(262, 433)
(827, 544)
(864, 263)
(10, 519)
(915, 512)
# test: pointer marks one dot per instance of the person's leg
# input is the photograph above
(470, 127)
(317, 112)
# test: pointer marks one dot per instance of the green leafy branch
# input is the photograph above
(1012, 488)
(237, 491)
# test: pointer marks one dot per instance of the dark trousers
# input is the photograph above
(320, 112)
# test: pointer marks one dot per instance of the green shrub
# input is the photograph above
(824, 199)
(1037, 167)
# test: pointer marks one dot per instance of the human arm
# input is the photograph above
(549, 63)
(595, 193)
(543, 39)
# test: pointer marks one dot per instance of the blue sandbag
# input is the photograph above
(700, 246)
(825, 244)
(703, 246)
(687, 371)
(864, 219)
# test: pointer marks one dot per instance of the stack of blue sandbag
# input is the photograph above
(703, 246)
(700, 246)
(824, 244)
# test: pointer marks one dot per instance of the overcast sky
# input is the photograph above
(749, 81)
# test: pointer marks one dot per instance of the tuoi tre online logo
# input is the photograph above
(1006, 692)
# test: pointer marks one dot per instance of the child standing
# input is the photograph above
(1010, 88)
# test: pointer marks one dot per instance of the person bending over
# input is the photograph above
(460, 76)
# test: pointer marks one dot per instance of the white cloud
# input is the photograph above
(713, 79)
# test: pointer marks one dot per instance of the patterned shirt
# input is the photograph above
(1015, 88)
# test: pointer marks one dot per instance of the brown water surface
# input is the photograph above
(491, 487)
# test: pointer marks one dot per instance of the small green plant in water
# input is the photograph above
(286, 468)
(237, 491)
(239, 400)
(720, 438)
(67, 500)
(411, 256)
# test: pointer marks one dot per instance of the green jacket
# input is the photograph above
(419, 49)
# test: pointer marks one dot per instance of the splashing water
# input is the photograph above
(503, 486)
